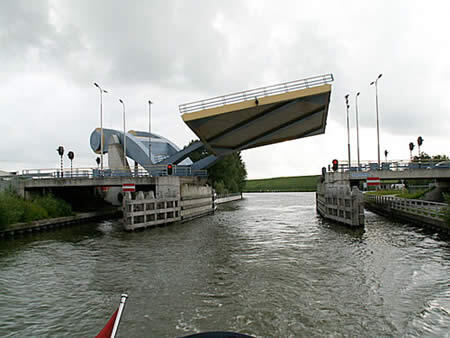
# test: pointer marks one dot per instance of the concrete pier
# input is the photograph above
(337, 201)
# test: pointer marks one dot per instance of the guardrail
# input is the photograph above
(154, 170)
(253, 94)
(427, 209)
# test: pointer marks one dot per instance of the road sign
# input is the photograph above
(128, 187)
(373, 181)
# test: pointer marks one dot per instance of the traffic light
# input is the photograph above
(335, 165)
(419, 140)
(169, 169)
(60, 150)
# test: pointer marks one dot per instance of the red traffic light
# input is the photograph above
(335, 165)
(169, 169)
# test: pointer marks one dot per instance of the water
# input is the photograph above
(265, 266)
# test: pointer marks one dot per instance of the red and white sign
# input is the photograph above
(373, 181)
(128, 187)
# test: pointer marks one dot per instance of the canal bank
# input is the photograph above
(19, 229)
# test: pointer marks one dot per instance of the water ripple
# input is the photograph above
(265, 266)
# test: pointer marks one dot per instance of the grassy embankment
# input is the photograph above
(14, 209)
(401, 193)
(283, 184)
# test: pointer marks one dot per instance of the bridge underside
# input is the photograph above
(261, 121)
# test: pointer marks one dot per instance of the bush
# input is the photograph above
(220, 188)
(447, 212)
(55, 207)
(11, 210)
(33, 212)
(14, 209)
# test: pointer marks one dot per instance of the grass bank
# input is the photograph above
(14, 209)
(283, 184)
(401, 193)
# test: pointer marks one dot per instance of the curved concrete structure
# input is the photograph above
(137, 146)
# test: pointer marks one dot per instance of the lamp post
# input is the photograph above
(150, 132)
(348, 134)
(101, 122)
(124, 135)
(378, 124)
(357, 131)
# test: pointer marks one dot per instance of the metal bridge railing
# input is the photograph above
(394, 165)
(155, 170)
(251, 94)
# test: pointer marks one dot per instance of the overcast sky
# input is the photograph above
(174, 52)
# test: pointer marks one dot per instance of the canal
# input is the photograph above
(265, 266)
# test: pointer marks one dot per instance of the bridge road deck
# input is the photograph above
(261, 116)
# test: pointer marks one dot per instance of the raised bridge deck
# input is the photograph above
(261, 116)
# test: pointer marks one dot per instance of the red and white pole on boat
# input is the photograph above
(110, 329)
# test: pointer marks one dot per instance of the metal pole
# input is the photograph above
(150, 132)
(357, 132)
(101, 123)
(378, 123)
(124, 134)
(348, 134)
(123, 299)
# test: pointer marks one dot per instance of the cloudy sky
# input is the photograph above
(174, 52)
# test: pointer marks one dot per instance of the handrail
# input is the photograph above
(155, 170)
(416, 207)
(253, 94)
(391, 165)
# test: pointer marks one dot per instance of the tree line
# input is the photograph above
(227, 175)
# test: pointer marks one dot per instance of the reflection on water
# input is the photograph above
(266, 266)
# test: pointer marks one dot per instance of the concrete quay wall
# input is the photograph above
(228, 198)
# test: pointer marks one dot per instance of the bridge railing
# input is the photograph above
(154, 170)
(395, 165)
(428, 209)
(253, 94)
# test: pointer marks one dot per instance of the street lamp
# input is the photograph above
(150, 132)
(124, 135)
(357, 130)
(101, 122)
(348, 134)
(378, 124)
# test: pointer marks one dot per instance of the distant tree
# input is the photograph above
(435, 158)
(227, 175)
(423, 156)
(439, 158)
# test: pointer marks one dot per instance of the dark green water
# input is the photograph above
(265, 266)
